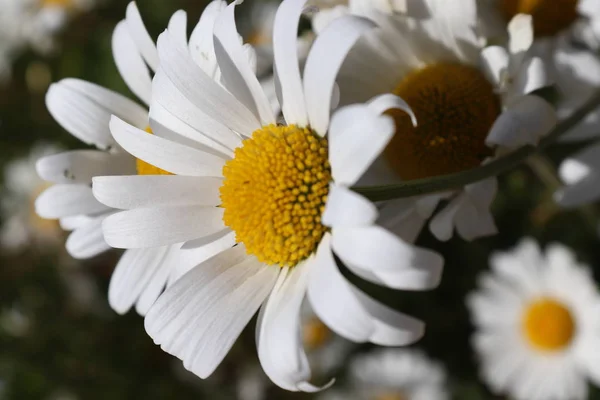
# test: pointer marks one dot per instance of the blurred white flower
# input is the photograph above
(273, 189)
(567, 37)
(537, 320)
(14, 321)
(392, 374)
(22, 226)
(33, 23)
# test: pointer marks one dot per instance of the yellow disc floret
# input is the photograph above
(274, 193)
(548, 324)
(143, 168)
(455, 107)
(549, 16)
(315, 334)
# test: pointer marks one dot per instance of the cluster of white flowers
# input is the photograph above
(235, 187)
(32, 24)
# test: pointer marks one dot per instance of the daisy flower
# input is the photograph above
(84, 110)
(536, 324)
(393, 374)
(22, 226)
(562, 29)
(470, 101)
(279, 191)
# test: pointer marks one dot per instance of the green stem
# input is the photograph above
(499, 166)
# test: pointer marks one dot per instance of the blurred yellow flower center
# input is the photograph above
(549, 16)
(390, 396)
(57, 3)
(455, 107)
(315, 334)
(548, 324)
(143, 168)
(274, 193)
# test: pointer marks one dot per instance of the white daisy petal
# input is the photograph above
(520, 30)
(523, 122)
(68, 200)
(385, 102)
(131, 276)
(351, 313)
(175, 112)
(356, 138)
(278, 332)
(201, 90)
(84, 110)
(201, 40)
(80, 166)
(87, 240)
(164, 154)
(533, 75)
(178, 27)
(495, 62)
(130, 63)
(347, 208)
(286, 61)
(199, 318)
(237, 74)
(323, 64)
(140, 35)
(161, 226)
(377, 255)
(128, 192)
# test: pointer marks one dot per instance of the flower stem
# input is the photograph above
(501, 165)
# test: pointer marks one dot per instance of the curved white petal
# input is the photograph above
(66, 200)
(357, 136)
(161, 226)
(127, 192)
(351, 313)
(199, 318)
(278, 332)
(201, 40)
(524, 122)
(495, 62)
(174, 111)
(385, 102)
(84, 110)
(130, 63)
(323, 64)
(201, 90)
(520, 31)
(287, 63)
(132, 275)
(178, 27)
(87, 240)
(347, 208)
(237, 73)
(164, 154)
(377, 255)
(140, 35)
(80, 166)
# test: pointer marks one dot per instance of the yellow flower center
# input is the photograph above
(143, 168)
(455, 106)
(549, 16)
(274, 193)
(57, 3)
(390, 396)
(315, 334)
(548, 324)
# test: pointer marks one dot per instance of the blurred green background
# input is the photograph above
(59, 339)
